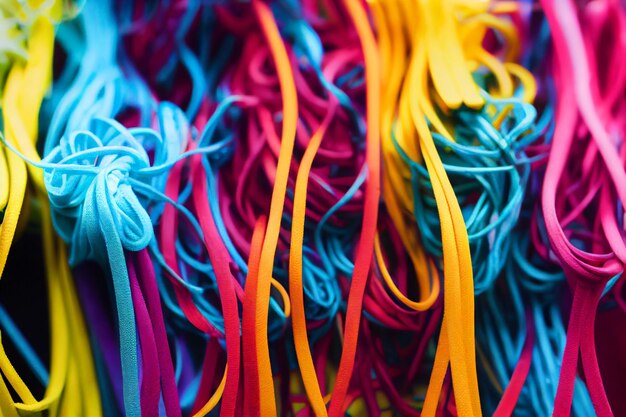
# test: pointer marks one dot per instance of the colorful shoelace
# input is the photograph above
(315, 208)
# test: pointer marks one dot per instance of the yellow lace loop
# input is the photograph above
(444, 40)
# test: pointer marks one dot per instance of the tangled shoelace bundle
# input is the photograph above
(335, 191)
(589, 169)
(127, 164)
(507, 209)
(297, 208)
(111, 137)
(496, 163)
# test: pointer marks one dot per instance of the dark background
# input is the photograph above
(23, 294)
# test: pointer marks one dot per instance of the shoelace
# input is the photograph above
(590, 268)
(71, 365)
(504, 76)
(252, 216)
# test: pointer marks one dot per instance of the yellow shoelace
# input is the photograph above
(73, 388)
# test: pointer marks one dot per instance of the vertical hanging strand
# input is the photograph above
(270, 31)
(365, 248)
